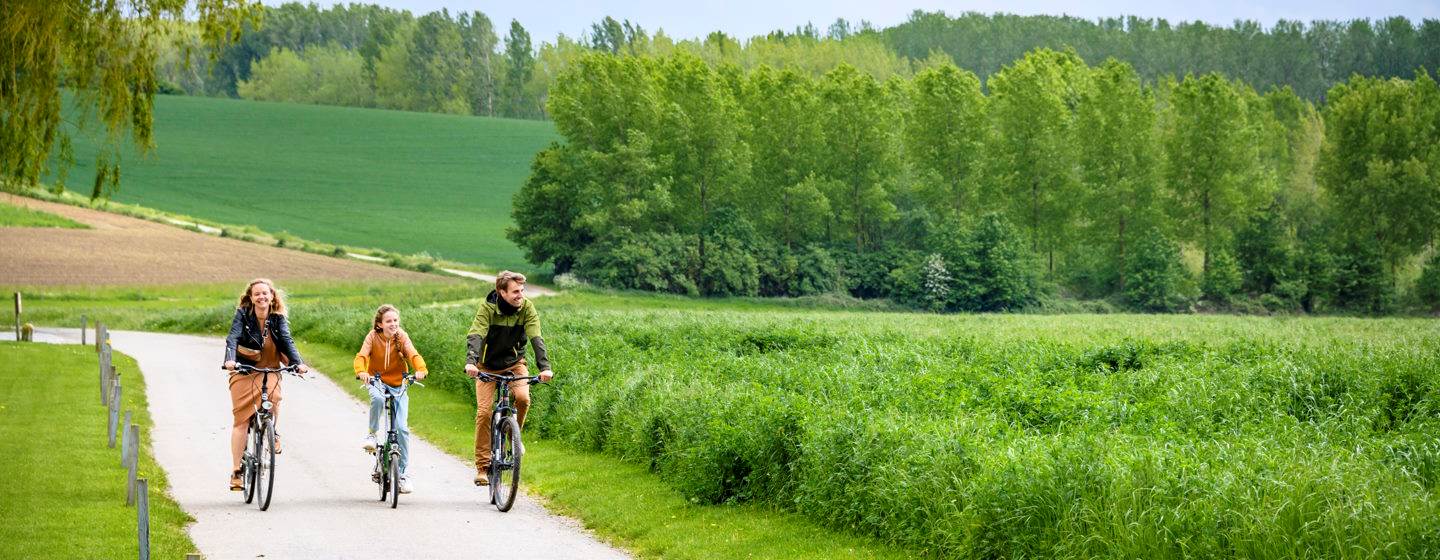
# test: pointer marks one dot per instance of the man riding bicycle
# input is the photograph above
(495, 344)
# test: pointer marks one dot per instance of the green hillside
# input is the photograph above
(393, 180)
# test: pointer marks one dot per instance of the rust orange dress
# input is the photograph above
(245, 389)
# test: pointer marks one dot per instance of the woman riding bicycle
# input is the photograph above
(259, 337)
(386, 349)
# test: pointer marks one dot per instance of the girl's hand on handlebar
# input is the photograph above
(230, 365)
(546, 376)
(471, 370)
(363, 377)
(420, 375)
(302, 368)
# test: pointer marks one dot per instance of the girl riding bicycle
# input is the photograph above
(384, 352)
(259, 337)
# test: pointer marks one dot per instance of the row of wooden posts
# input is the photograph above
(136, 488)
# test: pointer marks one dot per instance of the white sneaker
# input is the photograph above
(369, 443)
(405, 486)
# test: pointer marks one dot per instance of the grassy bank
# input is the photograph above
(15, 216)
(64, 490)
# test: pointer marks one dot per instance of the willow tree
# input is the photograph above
(103, 52)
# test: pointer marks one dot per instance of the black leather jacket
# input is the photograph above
(245, 330)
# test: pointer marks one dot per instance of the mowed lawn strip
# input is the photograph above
(64, 489)
(622, 503)
(16, 216)
(392, 180)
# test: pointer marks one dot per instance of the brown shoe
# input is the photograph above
(482, 479)
(236, 485)
(277, 443)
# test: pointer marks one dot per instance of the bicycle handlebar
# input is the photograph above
(532, 379)
(409, 379)
(246, 370)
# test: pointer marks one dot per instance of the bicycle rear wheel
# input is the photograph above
(265, 475)
(506, 463)
(380, 474)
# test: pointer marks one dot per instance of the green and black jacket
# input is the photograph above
(497, 336)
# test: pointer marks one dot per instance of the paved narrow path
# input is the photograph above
(325, 505)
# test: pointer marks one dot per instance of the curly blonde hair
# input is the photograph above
(380, 314)
(277, 297)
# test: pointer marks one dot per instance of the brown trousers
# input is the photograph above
(485, 406)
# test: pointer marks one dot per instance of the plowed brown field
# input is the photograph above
(120, 250)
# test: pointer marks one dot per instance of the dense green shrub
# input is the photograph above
(1427, 289)
(1223, 279)
(654, 261)
(1156, 279)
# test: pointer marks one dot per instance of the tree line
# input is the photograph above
(1310, 58)
(1051, 181)
(371, 56)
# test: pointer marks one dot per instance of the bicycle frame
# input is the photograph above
(382, 472)
(501, 458)
(260, 426)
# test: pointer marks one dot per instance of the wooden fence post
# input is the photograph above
(17, 316)
(114, 412)
(126, 441)
(143, 515)
(84, 324)
(132, 457)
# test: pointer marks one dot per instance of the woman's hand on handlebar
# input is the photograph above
(230, 365)
(420, 375)
(364, 378)
(471, 370)
(546, 376)
(302, 368)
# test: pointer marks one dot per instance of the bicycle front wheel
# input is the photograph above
(506, 462)
(265, 475)
(250, 461)
(379, 474)
(394, 470)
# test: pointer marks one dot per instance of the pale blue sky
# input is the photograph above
(743, 19)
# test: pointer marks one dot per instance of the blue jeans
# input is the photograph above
(402, 411)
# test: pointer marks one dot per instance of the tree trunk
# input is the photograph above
(1205, 216)
(1121, 239)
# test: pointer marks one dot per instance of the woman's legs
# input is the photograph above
(377, 406)
(237, 444)
(402, 429)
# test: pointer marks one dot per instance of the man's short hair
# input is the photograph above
(505, 278)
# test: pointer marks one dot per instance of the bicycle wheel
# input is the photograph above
(248, 462)
(394, 469)
(506, 463)
(379, 474)
(265, 475)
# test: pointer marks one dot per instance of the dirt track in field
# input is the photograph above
(120, 250)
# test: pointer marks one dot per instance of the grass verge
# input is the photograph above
(16, 216)
(64, 490)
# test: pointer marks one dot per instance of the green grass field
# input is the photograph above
(1076, 436)
(64, 490)
(392, 180)
(15, 216)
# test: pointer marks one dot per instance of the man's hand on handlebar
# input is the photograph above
(471, 370)
(546, 376)
(230, 365)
